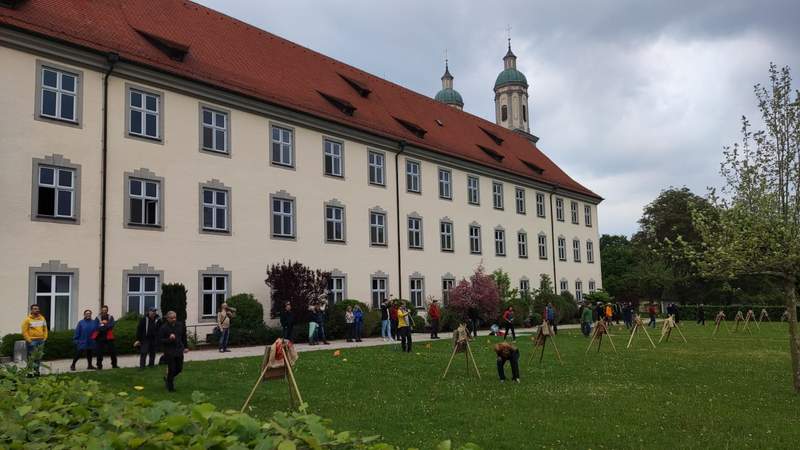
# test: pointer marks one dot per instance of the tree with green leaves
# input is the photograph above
(755, 226)
(295, 283)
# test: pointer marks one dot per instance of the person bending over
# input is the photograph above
(507, 352)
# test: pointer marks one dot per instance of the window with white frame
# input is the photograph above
(144, 198)
(56, 192)
(335, 289)
(58, 94)
(524, 286)
(590, 252)
(540, 211)
(559, 209)
(522, 244)
(215, 209)
(519, 198)
(562, 249)
(377, 228)
(215, 291)
(445, 184)
(592, 286)
(473, 190)
(447, 286)
(282, 217)
(542, 245)
(563, 285)
(376, 161)
(497, 195)
(578, 290)
(475, 239)
(576, 250)
(144, 114)
(282, 142)
(215, 130)
(573, 209)
(499, 242)
(334, 223)
(587, 215)
(415, 232)
(379, 291)
(413, 176)
(417, 290)
(446, 235)
(334, 158)
(54, 292)
(143, 293)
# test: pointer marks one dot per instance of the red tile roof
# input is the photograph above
(216, 49)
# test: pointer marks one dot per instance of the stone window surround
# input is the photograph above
(283, 195)
(502, 205)
(574, 240)
(55, 267)
(589, 251)
(419, 175)
(214, 269)
(541, 234)
(336, 273)
(415, 215)
(560, 239)
(228, 129)
(411, 278)
(480, 238)
(452, 248)
(142, 269)
(524, 210)
(477, 190)
(527, 244)
(450, 182)
(147, 175)
(385, 171)
(219, 186)
(378, 210)
(161, 111)
(504, 241)
(272, 125)
(325, 139)
(541, 195)
(37, 105)
(337, 204)
(56, 161)
(379, 275)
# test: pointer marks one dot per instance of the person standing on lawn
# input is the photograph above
(474, 319)
(172, 337)
(83, 339)
(386, 325)
(651, 311)
(609, 314)
(434, 313)
(393, 320)
(104, 337)
(508, 321)
(34, 331)
(350, 321)
(701, 315)
(226, 313)
(404, 328)
(586, 321)
(358, 316)
(147, 338)
(322, 308)
(507, 352)
(287, 322)
(550, 315)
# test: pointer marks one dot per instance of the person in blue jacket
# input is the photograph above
(359, 322)
(83, 339)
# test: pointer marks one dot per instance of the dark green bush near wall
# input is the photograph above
(173, 298)
(335, 326)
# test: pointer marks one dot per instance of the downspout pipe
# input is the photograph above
(402, 148)
(112, 59)
(553, 239)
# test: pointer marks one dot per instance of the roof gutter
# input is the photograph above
(112, 59)
(402, 146)
(553, 238)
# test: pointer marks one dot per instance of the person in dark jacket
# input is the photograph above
(287, 322)
(104, 337)
(147, 338)
(701, 315)
(386, 326)
(393, 320)
(507, 352)
(83, 339)
(172, 337)
(474, 318)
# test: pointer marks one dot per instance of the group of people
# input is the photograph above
(94, 337)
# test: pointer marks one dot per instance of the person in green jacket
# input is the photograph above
(586, 320)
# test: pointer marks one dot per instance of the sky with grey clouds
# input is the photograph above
(629, 97)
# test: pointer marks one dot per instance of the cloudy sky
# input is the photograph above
(628, 96)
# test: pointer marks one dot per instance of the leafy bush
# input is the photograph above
(419, 324)
(566, 307)
(248, 327)
(450, 320)
(372, 323)
(335, 325)
(292, 282)
(173, 298)
(60, 345)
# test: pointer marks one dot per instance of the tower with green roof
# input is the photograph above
(511, 95)
(448, 95)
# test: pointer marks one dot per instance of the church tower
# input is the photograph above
(511, 95)
(448, 95)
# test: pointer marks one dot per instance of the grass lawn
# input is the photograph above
(732, 391)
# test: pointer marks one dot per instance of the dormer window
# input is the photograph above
(175, 50)
(358, 86)
(339, 103)
(497, 156)
(497, 139)
(417, 130)
(533, 167)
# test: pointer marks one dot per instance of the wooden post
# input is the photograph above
(451, 361)
(555, 347)
(474, 364)
(253, 391)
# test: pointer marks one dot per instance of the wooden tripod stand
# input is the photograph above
(750, 316)
(461, 345)
(545, 331)
(600, 329)
(764, 315)
(720, 319)
(639, 325)
(740, 319)
(666, 330)
(288, 374)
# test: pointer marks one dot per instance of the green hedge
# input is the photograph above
(68, 412)
(689, 312)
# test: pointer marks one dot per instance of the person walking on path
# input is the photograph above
(394, 320)
(83, 339)
(226, 313)
(508, 321)
(586, 321)
(507, 352)
(34, 331)
(701, 315)
(550, 316)
(322, 309)
(358, 316)
(651, 311)
(435, 314)
(386, 325)
(104, 337)
(147, 338)
(404, 328)
(172, 336)
(287, 322)
(474, 319)
(350, 321)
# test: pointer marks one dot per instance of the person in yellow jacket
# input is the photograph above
(404, 328)
(34, 331)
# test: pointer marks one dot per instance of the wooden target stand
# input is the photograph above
(461, 345)
(600, 329)
(751, 316)
(764, 315)
(278, 361)
(739, 319)
(545, 331)
(638, 325)
(666, 330)
(720, 319)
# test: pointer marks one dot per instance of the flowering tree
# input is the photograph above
(478, 294)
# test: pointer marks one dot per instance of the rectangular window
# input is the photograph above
(573, 209)
(56, 192)
(475, 239)
(446, 236)
(58, 95)
(445, 184)
(542, 244)
(215, 130)
(499, 242)
(334, 158)
(215, 291)
(447, 286)
(54, 297)
(335, 290)
(497, 195)
(282, 141)
(592, 287)
(414, 232)
(524, 286)
(413, 176)
(144, 198)
(587, 215)
(560, 209)
(578, 290)
(540, 205)
(282, 217)
(142, 293)
(334, 223)
(522, 244)
(563, 286)
(378, 291)
(576, 250)
(144, 114)
(519, 196)
(473, 190)
(562, 249)
(417, 290)
(377, 168)
(590, 252)
(215, 210)
(377, 228)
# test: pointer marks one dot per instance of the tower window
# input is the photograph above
(524, 113)
(504, 113)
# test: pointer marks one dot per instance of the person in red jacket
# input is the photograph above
(508, 321)
(393, 319)
(434, 314)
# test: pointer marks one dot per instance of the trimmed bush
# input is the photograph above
(248, 327)
(335, 325)
(450, 320)
(173, 298)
